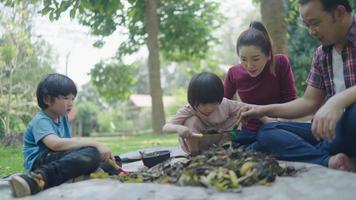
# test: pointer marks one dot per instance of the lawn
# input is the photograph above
(11, 157)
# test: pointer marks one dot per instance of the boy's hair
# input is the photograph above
(205, 88)
(54, 85)
(257, 35)
(330, 5)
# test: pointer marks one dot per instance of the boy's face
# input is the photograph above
(60, 105)
(207, 108)
(253, 59)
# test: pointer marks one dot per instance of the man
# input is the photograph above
(330, 94)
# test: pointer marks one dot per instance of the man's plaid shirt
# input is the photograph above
(321, 73)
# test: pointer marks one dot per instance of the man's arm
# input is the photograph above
(308, 104)
(345, 98)
(324, 122)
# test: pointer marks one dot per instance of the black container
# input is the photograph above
(154, 158)
(148, 159)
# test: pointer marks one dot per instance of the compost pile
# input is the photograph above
(224, 169)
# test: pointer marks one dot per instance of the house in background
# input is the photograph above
(139, 107)
(139, 101)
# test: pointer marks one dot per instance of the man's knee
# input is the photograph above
(268, 126)
(351, 111)
(269, 136)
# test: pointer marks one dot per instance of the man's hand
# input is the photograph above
(249, 111)
(324, 121)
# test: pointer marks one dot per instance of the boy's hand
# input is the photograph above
(105, 153)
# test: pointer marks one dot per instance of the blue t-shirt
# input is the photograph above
(39, 127)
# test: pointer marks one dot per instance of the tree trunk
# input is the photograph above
(8, 104)
(273, 16)
(158, 118)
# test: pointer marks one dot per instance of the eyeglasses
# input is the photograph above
(315, 23)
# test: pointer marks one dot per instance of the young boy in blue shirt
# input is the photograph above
(52, 156)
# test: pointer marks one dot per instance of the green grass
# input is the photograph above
(123, 144)
(11, 160)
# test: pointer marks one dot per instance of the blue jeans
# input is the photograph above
(248, 139)
(294, 141)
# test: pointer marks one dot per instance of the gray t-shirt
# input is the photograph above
(338, 72)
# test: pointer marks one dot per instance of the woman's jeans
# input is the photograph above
(294, 141)
(58, 167)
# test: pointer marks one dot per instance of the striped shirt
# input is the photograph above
(321, 73)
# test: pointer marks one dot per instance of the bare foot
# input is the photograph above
(340, 161)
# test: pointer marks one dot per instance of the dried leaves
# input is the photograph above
(218, 168)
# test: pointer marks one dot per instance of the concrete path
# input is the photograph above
(314, 182)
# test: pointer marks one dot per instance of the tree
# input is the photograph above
(181, 30)
(152, 29)
(113, 80)
(23, 61)
(273, 16)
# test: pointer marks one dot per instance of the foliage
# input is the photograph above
(89, 93)
(185, 29)
(353, 5)
(23, 61)
(96, 117)
(115, 119)
(113, 80)
(87, 117)
(185, 33)
(180, 99)
(301, 46)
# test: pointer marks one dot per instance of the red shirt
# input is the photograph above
(263, 89)
(321, 73)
